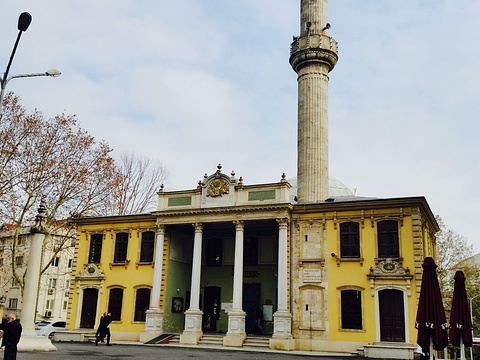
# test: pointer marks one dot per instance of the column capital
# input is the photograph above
(160, 229)
(239, 224)
(282, 223)
(198, 227)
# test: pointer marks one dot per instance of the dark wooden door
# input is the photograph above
(392, 316)
(251, 300)
(89, 308)
(211, 307)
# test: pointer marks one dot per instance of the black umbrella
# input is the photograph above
(431, 322)
(460, 317)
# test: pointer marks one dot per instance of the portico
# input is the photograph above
(239, 237)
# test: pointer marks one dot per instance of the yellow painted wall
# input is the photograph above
(129, 278)
(353, 274)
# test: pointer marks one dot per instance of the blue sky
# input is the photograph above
(196, 83)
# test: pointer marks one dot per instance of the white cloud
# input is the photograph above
(197, 83)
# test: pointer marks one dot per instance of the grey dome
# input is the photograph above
(336, 188)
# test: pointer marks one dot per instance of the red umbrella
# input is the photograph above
(431, 322)
(460, 318)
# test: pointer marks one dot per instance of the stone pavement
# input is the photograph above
(131, 350)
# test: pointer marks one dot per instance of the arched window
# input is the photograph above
(142, 302)
(95, 249)
(148, 243)
(349, 240)
(388, 246)
(351, 307)
(121, 246)
(115, 301)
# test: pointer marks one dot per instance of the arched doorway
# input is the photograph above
(392, 315)
(89, 308)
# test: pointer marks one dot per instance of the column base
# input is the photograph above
(193, 327)
(286, 344)
(282, 323)
(32, 342)
(153, 324)
(236, 334)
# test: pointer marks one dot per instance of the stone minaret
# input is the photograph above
(313, 55)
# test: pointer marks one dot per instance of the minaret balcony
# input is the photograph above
(313, 48)
(313, 41)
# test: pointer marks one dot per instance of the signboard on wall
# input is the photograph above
(312, 275)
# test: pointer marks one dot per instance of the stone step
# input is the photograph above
(211, 340)
(175, 339)
(257, 342)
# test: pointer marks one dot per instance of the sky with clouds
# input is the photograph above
(195, 83)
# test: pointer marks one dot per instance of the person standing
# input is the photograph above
(12, 331)
(259, 318)
(108, 320)
(104, 329)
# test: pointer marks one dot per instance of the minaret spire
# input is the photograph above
(313, 55)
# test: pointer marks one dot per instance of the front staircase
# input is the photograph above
(216, 340)
(257, 342)
(388, 350)
(174, 340)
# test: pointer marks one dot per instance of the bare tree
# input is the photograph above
(55, 159)
(140, 180)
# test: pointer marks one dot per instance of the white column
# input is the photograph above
(238, 266)
(282, 317)
(29, 340)
(157, 271)
(31, 282)
(236, 317)
(196, 268)
(193, 316)
(282, 264)
(154, 315)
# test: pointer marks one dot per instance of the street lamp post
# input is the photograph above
(24, 21)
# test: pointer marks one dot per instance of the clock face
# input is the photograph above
(389, 266)
(91, 270)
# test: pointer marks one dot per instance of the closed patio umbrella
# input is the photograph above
(460, 318)
(431, 322)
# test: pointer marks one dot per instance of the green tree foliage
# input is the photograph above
(454, 253)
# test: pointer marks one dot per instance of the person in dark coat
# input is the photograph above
(259, 320)
(104, 329)
(12, 330)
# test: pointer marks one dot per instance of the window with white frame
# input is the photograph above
(19, 260)
(12, 303)
(50, 304)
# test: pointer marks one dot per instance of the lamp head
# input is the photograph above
(53, 72)
(24, 21)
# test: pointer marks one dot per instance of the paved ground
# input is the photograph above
(87, 351)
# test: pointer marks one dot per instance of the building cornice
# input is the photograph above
(370, 204)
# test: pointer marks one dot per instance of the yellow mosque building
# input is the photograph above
(329, 271)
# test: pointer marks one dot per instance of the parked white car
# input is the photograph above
(49, 327)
